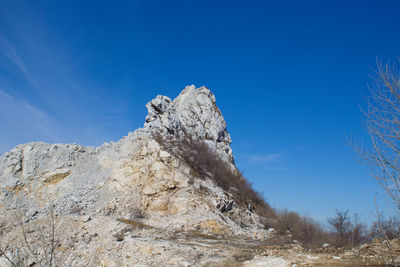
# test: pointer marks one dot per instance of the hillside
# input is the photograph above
(167, 194)
(135, 189)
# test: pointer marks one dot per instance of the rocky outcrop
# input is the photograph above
(193, 114)
(128, 202)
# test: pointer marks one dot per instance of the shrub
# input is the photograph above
(347, 231)
(309, 233)
(302, 228)
(38, 243)
(386, 229)
(205, 163)
(341, 226)
(359, 232)
(287, 221)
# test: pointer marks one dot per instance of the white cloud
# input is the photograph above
(21, 121)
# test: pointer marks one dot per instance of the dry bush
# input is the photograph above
(359, 232)
(309, 233)
(37, 243)
(341, 226)
(205, 163)
(347, 231)
(302, 228)
(286, 221)
(386, 229)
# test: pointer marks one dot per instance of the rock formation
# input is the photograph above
(168, 194)
(128, 203)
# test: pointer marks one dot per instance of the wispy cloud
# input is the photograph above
(275, 168)
(9, 51)
(270, 161)
(45, 92)
(22, 121)
(267, 158)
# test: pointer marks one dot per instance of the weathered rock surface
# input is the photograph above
(135, 203)
(129, 203)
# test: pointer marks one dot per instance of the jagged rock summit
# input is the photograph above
(192, 114)
(128, 203)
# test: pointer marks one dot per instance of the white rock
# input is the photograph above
(132, 185)
(266, 261)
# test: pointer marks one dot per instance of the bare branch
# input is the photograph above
(382, 123)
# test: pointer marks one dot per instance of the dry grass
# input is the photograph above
(135, 224)
(16, 189)
(56, 178)
(205, 163)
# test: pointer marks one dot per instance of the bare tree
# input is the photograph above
(341, 225)
(382, 123)
(358, 231)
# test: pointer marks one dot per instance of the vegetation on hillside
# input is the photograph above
(346, 231)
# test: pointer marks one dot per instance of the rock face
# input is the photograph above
(126, 203)
(192, 114)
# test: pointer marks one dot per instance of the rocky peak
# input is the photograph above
(193, 114)
(117, 200)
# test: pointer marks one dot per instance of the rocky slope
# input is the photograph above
(168, 194)
(129, 202)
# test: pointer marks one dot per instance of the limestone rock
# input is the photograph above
(129, 202)
(192, 114)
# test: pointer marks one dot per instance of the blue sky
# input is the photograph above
(288, 77)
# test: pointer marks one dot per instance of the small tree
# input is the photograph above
(341, 225)
(358, 231)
